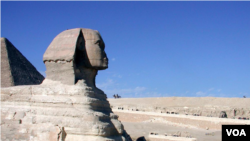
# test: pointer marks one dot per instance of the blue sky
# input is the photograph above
(155, 49)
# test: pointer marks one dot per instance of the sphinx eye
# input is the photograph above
(98, 42)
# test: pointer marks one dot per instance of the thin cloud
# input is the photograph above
(125, 92)
(117, 75)
(140, 88)
(210, 89)
(108, 83)
(200, 94)
(210, 94)
(155, 94)
(110, 87)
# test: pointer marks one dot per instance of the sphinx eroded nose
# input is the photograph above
(105, 57)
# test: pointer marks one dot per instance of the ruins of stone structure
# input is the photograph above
(67, 106)
(15, 68)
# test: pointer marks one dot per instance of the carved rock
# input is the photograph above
(72, 50)
(67, 106)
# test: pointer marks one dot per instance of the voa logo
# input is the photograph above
(236, 132)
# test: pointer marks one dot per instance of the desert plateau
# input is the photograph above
(179, 118)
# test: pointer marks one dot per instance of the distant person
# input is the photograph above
(117, 96)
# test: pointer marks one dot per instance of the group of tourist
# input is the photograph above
(116, 96)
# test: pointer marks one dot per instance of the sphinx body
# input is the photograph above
(67, 106)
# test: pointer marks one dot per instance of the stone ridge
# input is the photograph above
(15, 68)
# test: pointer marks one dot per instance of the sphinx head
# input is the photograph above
(73, 54)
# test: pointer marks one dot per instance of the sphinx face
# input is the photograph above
(94, 46)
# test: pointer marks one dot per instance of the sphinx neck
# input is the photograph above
(89, 76)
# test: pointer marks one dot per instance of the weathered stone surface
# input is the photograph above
(15, 68)
(82, 111)
(67, 106)
(70, 51)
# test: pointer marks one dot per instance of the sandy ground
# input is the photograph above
(143, 123)
(144, 128)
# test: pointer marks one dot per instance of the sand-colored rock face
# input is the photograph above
(59, 108)
(42, 111)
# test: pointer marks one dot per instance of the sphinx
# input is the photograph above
(67, 106)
